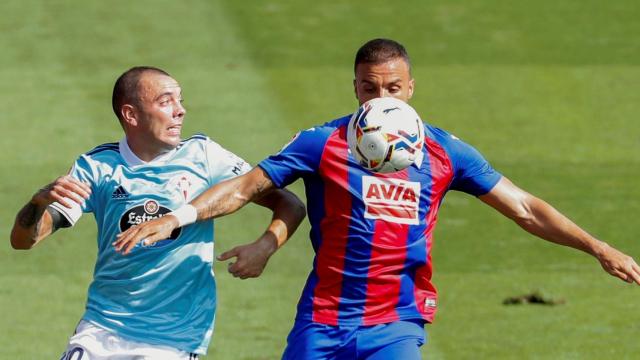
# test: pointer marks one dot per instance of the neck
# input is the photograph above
(145, 150)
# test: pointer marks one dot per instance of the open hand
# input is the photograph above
(148, 232)
(619, 264)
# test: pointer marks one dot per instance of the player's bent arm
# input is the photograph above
(229, 196)
(35, 221)
(251, 259)
(541, 219)
(221, 199)
(32, 224)
(288, 213)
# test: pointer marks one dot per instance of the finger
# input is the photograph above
(135, 235)
(61, 191)
(634, 273)
(79, 189)
(144, 234)
(228, 254)
(123, 237)
(138, 239)
(64, 201)
(81, 184)
(623, 276)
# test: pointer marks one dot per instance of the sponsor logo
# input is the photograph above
(430, 302)
(392, 200)
(150, 210)
(119, 193)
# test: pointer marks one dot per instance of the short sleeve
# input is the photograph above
(299, 157)
(82, 171)
(472, 172)
(223, 164)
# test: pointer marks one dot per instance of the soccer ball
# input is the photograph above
(385, 135)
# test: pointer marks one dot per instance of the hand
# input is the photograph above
(150, 232)
(250, 258)
(619, 264)
(62, 190)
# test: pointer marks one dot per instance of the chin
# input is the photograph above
(172, 142)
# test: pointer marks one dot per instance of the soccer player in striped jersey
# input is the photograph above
(154, 301)
(369, 292)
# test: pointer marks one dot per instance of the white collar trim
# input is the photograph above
(133, 160)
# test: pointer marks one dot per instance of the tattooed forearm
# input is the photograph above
(261, 185)
(29, 215)
(229, 196)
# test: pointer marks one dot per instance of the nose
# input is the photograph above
(179, 110)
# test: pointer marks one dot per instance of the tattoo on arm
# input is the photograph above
(30, 215)
(260, 186)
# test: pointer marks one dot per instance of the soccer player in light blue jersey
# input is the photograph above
(153, 301)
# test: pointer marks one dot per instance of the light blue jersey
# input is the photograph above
(165, 293)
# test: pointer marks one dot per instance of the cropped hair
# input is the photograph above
(125, 91)
(378, 51)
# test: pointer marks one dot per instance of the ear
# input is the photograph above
(411, 85)
(355, 88)
(129, 115)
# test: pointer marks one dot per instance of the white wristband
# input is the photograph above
(186, 214)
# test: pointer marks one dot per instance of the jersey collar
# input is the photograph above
(133, 160)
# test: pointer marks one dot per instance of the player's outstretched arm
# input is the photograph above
(221, 199)
(251, 259)
(35, 222)
(541, 219)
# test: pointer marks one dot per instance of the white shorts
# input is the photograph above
(90, 342)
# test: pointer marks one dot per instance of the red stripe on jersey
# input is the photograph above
(441, 171)
(334, 228)
(399, 211)
(387, 260)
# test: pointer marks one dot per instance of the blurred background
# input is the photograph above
(546, 90)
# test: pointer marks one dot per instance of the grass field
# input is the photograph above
(546, 90)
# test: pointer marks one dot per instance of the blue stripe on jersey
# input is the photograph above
(197, 136)
(355, 273)
(314, 189)
(103, 147)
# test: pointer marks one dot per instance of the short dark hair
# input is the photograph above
(378, 51)
(125, 91)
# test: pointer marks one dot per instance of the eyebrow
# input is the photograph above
(167, 93)
(374, 83)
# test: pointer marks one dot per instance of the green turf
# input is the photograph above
(546, 90)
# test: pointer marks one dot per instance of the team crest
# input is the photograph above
(151, 207)
(183, 185)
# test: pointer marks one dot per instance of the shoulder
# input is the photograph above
(337, 123)
(104, 148)
(321, 133)
(447, 141)
(197, 139)
(105, 153)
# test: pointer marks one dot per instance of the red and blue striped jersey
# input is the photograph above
(372, 232)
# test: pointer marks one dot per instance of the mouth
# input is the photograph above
(175, 129)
